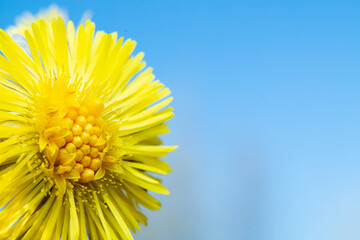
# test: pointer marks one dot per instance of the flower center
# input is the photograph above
(76, 141)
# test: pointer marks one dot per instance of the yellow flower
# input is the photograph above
(79, 127)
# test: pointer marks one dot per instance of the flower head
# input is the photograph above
(79, 127)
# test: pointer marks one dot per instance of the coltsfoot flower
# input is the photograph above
(79, 127)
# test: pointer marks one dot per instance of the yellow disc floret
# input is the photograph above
(76, 140)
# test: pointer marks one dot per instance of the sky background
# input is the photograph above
(267, 112)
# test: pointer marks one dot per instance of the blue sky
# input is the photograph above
(267, 112)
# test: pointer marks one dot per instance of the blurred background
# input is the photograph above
(267, 112)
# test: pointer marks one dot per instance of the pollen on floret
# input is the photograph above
(85, 149)
(81, 141)
(71, 114)
(85, 161)
(95, 106)
(87, 175)
(76, 130)
(77, 141)
(85, 137)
